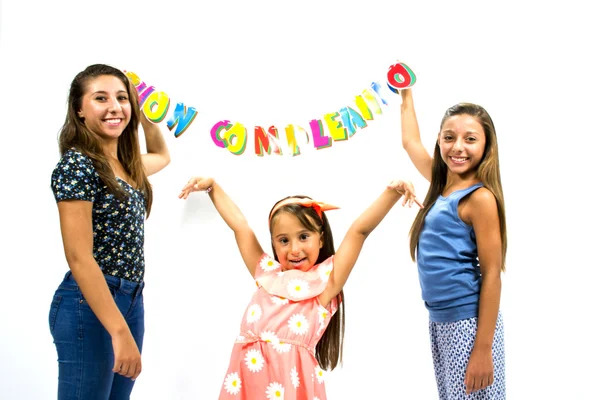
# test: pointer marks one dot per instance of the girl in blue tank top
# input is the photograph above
(459, 242)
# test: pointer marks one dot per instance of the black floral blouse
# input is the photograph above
(118, 225)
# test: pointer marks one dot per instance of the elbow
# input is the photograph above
(77, 260)
(361, 233)
(166, 158)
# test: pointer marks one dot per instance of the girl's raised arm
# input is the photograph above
(248, 244)
(411, 137)
(347, 254)
(157, 156)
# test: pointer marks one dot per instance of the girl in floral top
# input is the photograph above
(293, 326)
(103, 196)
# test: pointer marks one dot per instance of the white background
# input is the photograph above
(532, 65)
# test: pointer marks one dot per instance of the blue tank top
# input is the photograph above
(447, 260)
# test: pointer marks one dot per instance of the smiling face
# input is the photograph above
(105, 107)
(296, 246)
(462, 144)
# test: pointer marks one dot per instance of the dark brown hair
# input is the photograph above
(330, 347)
(74, 134)
(488, 172)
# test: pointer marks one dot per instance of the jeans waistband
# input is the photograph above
(123, 285)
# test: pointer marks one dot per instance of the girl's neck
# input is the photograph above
(458, 182)
(110, 150)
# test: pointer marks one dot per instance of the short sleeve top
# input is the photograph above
(118, 225)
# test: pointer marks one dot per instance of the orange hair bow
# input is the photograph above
(318, 206)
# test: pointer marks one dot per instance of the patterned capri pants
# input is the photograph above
(451, 345)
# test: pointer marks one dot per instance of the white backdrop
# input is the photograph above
(277, 63)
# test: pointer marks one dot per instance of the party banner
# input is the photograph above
(338, 125)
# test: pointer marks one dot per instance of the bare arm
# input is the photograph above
(157, 156)
(349, 250)
(76, 229)
(248, 244)
(411, 137)
(483, 215)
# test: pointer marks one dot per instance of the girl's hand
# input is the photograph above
(407, 190)
(128, 361)
(480, 370)
(196, 184)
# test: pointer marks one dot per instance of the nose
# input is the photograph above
(114, 106)
(458, 146)
(295, 248)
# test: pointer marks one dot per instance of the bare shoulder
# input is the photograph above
(482, 198)
(481, 204)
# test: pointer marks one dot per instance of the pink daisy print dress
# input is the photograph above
(273, 358)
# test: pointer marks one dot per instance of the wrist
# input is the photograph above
(119, 330)
(211, 185)
(482, 346)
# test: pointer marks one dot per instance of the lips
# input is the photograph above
(113, 121)
(459, 160)
(296, 263)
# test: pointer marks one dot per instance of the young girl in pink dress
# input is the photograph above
(293, 327)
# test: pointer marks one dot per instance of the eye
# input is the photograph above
(448, 138)
(283, 240)
(471, 139)
(123, 98)
(101, 98)
(304, 236)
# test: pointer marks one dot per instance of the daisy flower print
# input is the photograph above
(280, 301)
(319, 374)
(325, 270)
(268, 264)
(298, 324)
(269, 337)
(233, 384)
(254, 360)
(254, 313)
(275, 391)
(281, 347)
(297, 288)
(295, 378)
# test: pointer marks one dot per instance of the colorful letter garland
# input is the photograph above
(341, 124)
(156, 105)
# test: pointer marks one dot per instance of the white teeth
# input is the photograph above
(113, 121)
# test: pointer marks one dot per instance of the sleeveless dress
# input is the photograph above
(274, 355)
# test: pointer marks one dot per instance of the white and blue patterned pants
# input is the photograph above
(451, 345)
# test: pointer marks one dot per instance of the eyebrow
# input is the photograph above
(299, 233)
(105, 92)
(468, 132)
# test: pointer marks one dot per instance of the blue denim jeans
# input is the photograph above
(84, 347)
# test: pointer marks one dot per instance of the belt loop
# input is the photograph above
(138, 289)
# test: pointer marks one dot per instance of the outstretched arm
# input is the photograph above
(157, 156)
(347, 254)
(247, 242)
(411, 137)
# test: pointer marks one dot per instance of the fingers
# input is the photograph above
(193, 185)
(138, 371)
(474, 384)
(131, 369)
(469, 383)
(407, 190)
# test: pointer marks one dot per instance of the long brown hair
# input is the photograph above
(329, 350)
(488, 172)
(74, 134)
